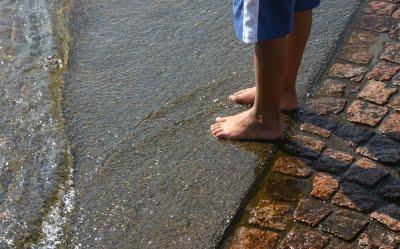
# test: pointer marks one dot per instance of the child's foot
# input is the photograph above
(245, 126)
(247, 96)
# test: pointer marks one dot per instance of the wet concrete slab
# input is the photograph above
(146, 79)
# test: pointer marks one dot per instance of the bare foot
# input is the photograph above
(245, 126)
(246, 96)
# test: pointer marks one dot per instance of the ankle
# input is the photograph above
(268, 119)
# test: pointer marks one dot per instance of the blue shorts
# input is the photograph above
(257, 20)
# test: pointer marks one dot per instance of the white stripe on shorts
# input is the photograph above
(250, 20)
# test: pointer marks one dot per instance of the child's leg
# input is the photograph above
(263, 120)
(297, 41)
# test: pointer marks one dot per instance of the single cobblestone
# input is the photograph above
(324, 186)
(354, 197)
(305, 146)
(327, 105)
(391, 52)
(298, 239)
(381, 149)
(389, 215)
(396, 15)
(333, 161)
(285, 188)
(270, 215)
(336, 243)
(380, 8)
(353, 135)
(377, 92)
(365, 113)
(332, 88)
(377, 237)
(395, 103)
(374, 23)
(362, 37)
(291, 166)
(391, 126)
(366, 172)
(383, 71)
(349, 71)
(394, 32)
(253, 238)
(344, 224)
(311, 212)
(310, 128)
(360, 54)
(391, 190)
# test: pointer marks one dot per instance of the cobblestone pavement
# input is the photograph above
(336, 182)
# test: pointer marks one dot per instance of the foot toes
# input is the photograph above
(220, 119)
(216, 131)
(221, 135)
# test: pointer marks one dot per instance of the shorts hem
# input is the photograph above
(305, 7)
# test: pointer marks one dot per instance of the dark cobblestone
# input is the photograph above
(377, 92)
(310, 128)
(366, 172)
(389, 216)
(297, 239)
(360, 54)
(270, 215)
(391, 52)
(365, 113)
(395, 103)
(327, 105)
(383, 71)
(380, 8)
(344, 224)
(305, 146)
(391, 126)
(291, 166)
(374, 23)
(396, 79)
(391, 190)
(334, 162)
(253, 238)
(354, 197)
(353, 135)
(377, 237)
(349, 71)
(362, 37)
(381, 149)
(332, 88)
(311, 212)
(324, 186)
(285, 188)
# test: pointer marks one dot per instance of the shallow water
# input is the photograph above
(34, 160)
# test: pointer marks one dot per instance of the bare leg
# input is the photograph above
(296, 45)
(263, 120)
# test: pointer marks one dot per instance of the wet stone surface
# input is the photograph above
(377, 92)
(332, 88)
(383, 71)
(311, 211)
(391, 52)
(389, 216)
(285, 188)
(349, 71)
(270, 215)
(324, 186)
(305, 146)
(310, 128)
(391, 190)
(253, 238)
(362, 37)
(374, 23)
(381, 149)
(344, 224)
(366, 172)
(353, 135)
(359, 54)
(395, 103)
(333, 161)
(396, 79)
(292, 166)
(365, 113)
(378, 237)
(354, 197)
(326, 105)
(380, 8)
(301, 239)
(391, 126)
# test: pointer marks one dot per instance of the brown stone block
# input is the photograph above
(253, 238)
(354, 197)
(396, 15)
(383, 71)
(365, 113)
(389, 215)
(301, 239)
(270, 215)
(311, 212)
(377, 92)
(391, 126)
(331, 88)
(375, 23)
(366, 172)
(324, 186)
(395, 103)
(380, 8)
(285, 188)
(326, 105)
(391, 52)
(378, 237)
(360, 54)
(362, 37)
(315, 130)
(291, 166)
(349, 71)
